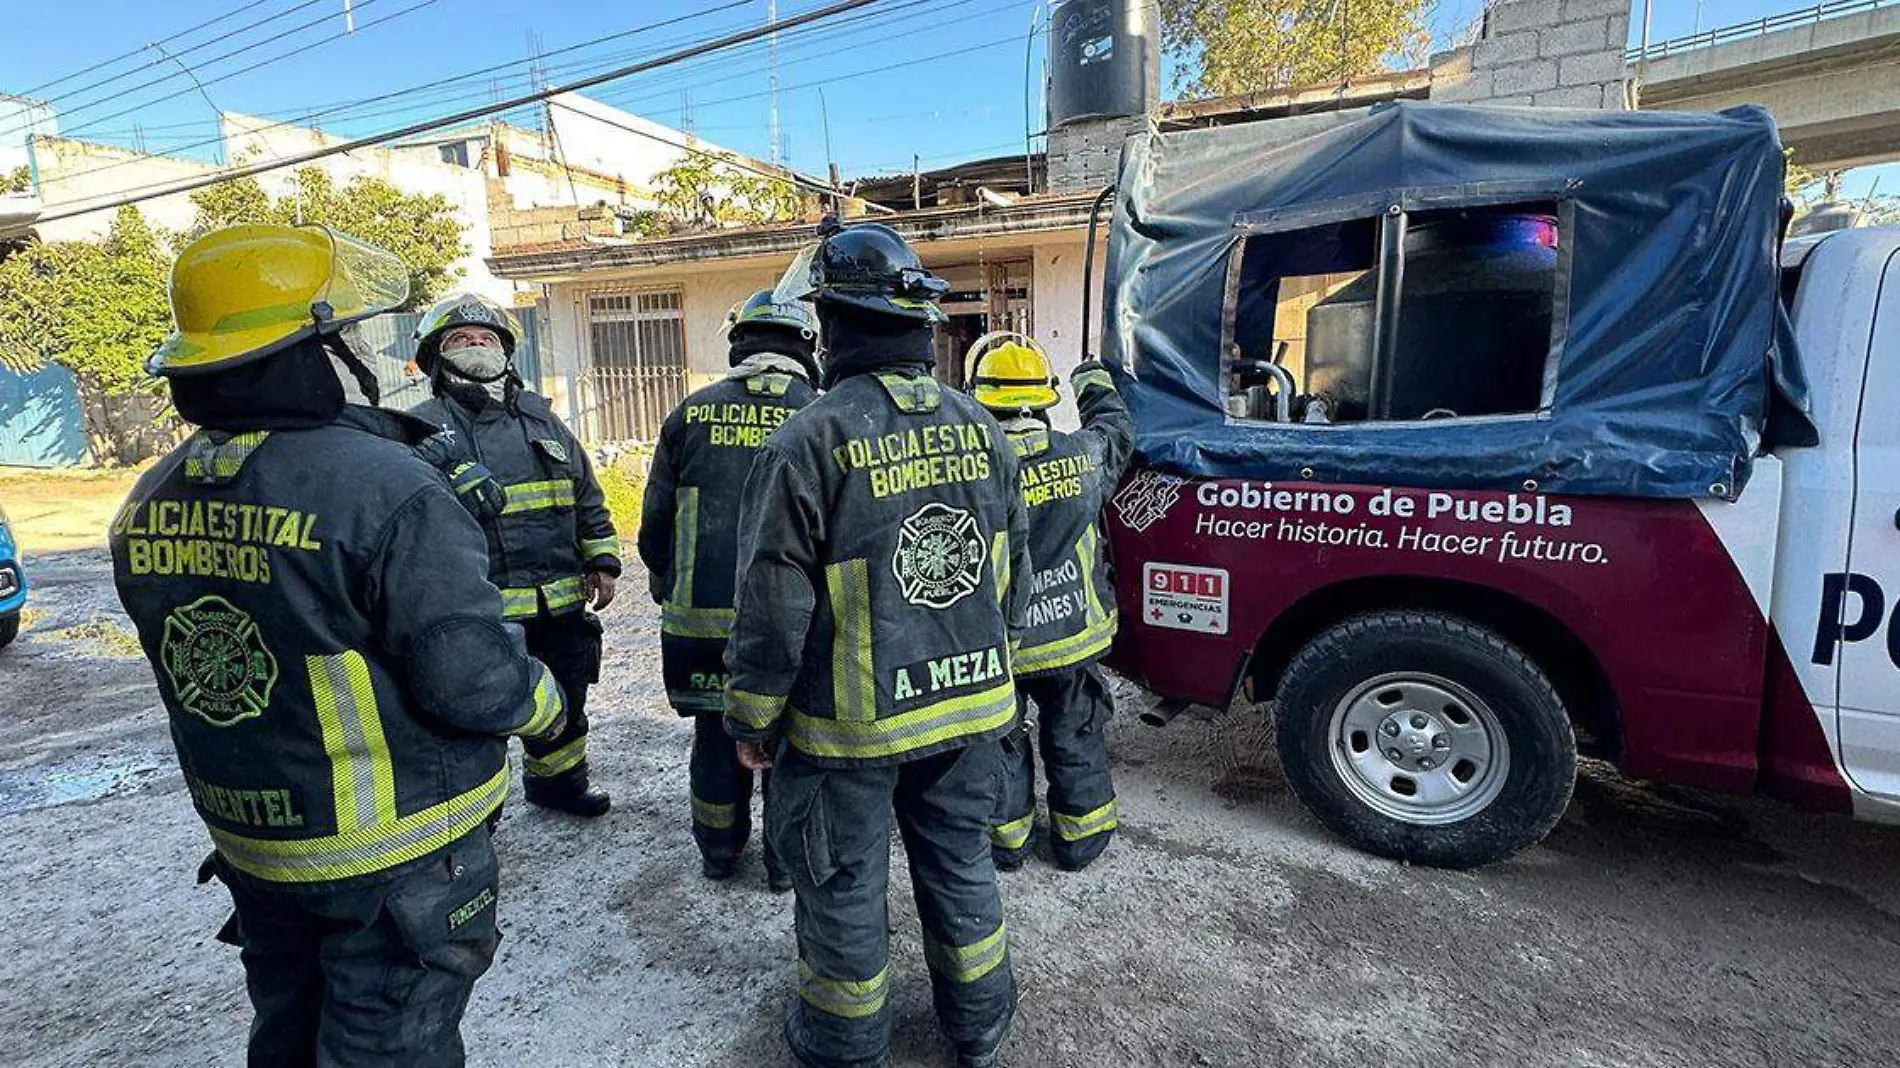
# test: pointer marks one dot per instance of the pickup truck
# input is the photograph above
(1455, 556)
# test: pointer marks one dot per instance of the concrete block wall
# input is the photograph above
(1083, 155)
(1547, 53)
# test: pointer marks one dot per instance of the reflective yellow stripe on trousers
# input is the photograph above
(853, 999)
(559, 762)
(1076, 828)
(967, 964)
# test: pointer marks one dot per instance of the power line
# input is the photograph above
(233, 13)
(812, 34)
(134, 109)
(251, 170)
(1010, 40)
(485, 72)
(786, 174)
(121, 94)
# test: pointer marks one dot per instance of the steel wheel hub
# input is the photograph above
(1419, 748)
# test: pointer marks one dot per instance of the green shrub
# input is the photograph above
(623, 478)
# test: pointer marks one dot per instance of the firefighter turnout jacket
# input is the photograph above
(555, 525)
(689, 518)
(879, 533)
(337, 673)
(1066, 479)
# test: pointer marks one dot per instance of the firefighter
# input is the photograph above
(870, 654)
(689, 542)
(336, 670)
(1066, 480)
(553, 550)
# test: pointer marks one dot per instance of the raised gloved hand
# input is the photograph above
(474, 485)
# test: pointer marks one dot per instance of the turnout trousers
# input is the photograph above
(570, 646)
(722, 793)
(1073, 707)
(831, 828)
(371, 972)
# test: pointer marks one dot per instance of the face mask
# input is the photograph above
(475, 354)
(477, 364)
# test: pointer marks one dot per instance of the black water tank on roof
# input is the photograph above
(1103, 59)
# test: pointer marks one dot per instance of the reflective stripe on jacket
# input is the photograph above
(689, 518)
(878, 536)
(1066, 480)
(336, 669)
(555, 526)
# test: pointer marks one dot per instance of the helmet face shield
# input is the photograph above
(244, 292)
(364, 280)
(799, 282)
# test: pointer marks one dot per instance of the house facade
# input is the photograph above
(632, 327)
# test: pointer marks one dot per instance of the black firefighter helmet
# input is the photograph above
(762, 324)
(868, 267)
(462, 309)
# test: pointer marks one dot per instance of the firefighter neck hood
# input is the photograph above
(859, 342)
(764, 362)
(292, 389)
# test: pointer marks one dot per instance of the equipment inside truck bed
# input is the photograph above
(1458, 297)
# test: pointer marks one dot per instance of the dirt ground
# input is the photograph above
(1223, 928)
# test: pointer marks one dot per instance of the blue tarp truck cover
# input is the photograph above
(1669, 364)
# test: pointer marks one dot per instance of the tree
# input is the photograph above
(99, 309)
(19, 180)
(1811, 189)
(702, 192)
(421, 230)
(1242, 46)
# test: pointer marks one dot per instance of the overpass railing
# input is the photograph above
(1760, 27)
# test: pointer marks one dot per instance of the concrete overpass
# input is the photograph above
(1829, 73)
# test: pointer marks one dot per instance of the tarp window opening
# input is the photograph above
(1399, 316)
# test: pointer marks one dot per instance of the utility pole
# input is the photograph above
(771, 45)
(349, 17)
(824, 116)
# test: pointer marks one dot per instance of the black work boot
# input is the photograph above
(719, 869)
(777, 881)
(986, 1050)
(569, 793)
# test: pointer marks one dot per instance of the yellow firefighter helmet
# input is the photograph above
(1012, 373)
(244, 292)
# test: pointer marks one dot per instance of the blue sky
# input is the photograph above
(942, 79)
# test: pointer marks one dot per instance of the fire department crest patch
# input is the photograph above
(1147, 499)
(220, 669)
(939, 558)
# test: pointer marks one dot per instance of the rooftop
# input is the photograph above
(551, 261)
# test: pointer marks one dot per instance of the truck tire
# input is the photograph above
(9, 629)
(1426, 738)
